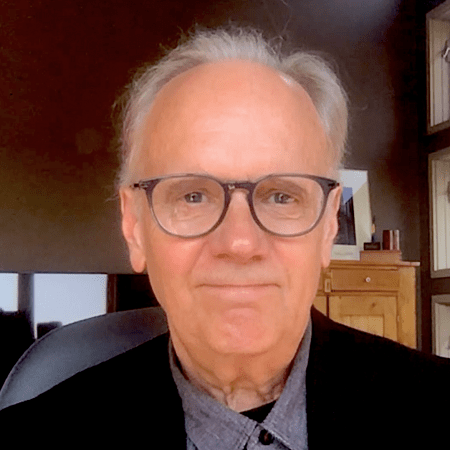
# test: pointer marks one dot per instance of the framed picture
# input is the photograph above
(439, 188)
(355, 219)
(441, 324)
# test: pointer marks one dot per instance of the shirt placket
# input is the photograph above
(262, 439)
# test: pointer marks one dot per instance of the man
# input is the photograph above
(229, 203)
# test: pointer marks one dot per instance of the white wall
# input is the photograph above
(9, 291)
(68, 297)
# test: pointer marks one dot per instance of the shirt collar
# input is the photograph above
(210, 424)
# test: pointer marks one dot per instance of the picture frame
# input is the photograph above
(439, 197)
(355, 219)
(440, 318)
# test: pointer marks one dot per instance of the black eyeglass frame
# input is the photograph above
(327, 185)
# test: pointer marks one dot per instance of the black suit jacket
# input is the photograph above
(363, 392)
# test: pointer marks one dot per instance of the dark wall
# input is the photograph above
(64, 62)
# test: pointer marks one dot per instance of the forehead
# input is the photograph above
(232, 115)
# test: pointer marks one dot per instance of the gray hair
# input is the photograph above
(309, 70)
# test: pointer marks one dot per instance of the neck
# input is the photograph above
(241, 383)
(243, 393)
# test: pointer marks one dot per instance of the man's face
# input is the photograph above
(237, 290)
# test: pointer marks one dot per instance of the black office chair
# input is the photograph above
(68, 350)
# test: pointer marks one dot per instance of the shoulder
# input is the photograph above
(338, 342)
(367, 385)
(366, 378)
(133, 389)
(363, 359)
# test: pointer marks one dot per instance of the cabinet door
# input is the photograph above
(320, 303)
(370, 313)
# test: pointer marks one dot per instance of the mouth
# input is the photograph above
(247, 292)
(239, 286)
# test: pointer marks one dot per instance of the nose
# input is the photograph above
(239, 237)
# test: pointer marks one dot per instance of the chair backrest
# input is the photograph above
(67, 350)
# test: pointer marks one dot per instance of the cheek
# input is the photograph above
(301, 259)
(170, 262)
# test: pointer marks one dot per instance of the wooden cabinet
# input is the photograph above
(372, 296)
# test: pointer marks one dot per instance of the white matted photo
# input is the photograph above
(355, 219)
(439, 186)
(441, 324)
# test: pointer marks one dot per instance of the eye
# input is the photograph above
(281, 198)
(194, 197)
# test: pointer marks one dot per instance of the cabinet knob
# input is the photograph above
(368, 280)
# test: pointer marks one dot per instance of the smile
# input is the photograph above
(239, 292)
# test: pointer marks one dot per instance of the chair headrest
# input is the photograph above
(67, 350)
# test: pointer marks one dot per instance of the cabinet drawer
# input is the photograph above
(364, 280)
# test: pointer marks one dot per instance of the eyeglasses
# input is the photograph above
(192, 205)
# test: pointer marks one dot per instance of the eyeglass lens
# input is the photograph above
(188, 206)
(191, 206)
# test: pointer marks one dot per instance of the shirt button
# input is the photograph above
(265, 437)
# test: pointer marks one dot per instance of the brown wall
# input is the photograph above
(63, 63)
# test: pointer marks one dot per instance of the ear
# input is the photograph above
(132, 230)
(331, 225)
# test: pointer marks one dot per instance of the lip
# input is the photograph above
(237, 285)
(238, 292)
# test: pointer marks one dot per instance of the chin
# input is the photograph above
(242, 337)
